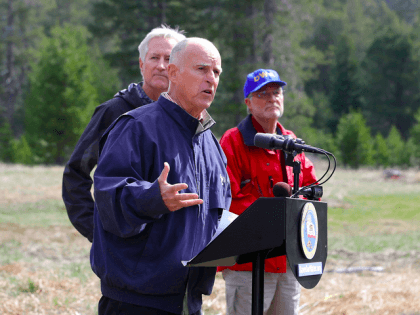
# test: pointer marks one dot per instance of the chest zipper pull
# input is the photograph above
(270, 178)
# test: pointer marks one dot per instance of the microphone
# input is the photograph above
(314, 192)
(273, 142)
(282, 189)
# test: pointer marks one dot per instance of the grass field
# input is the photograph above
(44, 262)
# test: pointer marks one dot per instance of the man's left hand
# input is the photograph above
(170, 193)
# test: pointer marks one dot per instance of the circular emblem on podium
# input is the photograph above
(309, 230)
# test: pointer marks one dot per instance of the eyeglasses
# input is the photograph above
(267, 95)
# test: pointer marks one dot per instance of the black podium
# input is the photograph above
(273, 227)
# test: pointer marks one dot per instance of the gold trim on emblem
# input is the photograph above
(309, 247)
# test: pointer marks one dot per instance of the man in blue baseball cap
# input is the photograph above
(253, 172)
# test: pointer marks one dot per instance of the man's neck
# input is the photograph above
(153, 94)
(195, 113)
(269, 126)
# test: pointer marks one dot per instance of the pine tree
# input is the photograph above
(354, 140)
(396, 147)
(392, 74)
(415, 136)
(6, 139)
(345, 89)
(381, 154)
(63, 93)
(22, 152)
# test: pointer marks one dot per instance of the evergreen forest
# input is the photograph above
(352, 69)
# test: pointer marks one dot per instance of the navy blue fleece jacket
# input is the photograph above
(138, 244)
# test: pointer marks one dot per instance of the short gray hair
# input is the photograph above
(180, 46)
(164, 31)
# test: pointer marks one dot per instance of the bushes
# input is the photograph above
(66, 84)
(354, 141)
(356, 147)
(381, 152)
(6, 139)
(22, 153)
(13, 150)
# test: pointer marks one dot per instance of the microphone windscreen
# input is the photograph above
(263, 140)
(282, 189)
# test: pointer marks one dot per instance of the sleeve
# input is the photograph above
(77, 182)
(127, 192)
(243, 190)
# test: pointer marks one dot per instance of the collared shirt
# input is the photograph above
(205, 122)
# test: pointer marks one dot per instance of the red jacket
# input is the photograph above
(253, 171)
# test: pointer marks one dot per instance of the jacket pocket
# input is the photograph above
(251, 187)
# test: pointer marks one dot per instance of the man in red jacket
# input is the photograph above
(253, 172)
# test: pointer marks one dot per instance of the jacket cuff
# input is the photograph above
(151, 203)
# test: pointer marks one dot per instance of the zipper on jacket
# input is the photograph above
(196, 175)
(270, 179)
(259, 190)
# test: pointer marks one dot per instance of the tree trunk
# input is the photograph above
(150, 17)
(270, 9)
(255, 58)
(63, 11)
(9, 80)
(162, 9)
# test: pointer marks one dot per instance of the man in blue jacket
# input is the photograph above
(154, 53)
(160, 187)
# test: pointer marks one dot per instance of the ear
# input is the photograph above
(248, 104)
(173, 71)
(140, 63)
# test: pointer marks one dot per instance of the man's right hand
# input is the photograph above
(170, 193)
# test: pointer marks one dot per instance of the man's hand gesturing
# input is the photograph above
(170, 193)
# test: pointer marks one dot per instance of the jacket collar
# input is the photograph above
(248, 131)
(184, 119)
(134, 95)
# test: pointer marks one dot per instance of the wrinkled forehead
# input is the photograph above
(161, 45)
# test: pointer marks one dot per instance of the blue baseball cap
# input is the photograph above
(257, 79)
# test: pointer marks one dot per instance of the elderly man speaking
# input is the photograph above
(160, 187)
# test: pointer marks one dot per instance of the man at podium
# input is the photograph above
(253, 172)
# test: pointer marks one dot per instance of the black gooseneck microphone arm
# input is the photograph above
(291, 147)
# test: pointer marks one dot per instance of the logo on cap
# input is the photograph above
(263, 75)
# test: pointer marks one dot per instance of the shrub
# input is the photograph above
(6, 139)
(381, 152)
(354, 140)
(396, 147)
(22, 153)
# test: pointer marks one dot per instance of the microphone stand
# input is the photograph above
(258, 264)
(289, 160)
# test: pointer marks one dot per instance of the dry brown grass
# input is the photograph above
(52, 275)
(346, 183)
(29, 184)
(52, 294)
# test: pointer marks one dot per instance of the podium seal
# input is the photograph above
(309, 230)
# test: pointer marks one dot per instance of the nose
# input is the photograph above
(162, 64)
(211, 77)
(273, 98)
